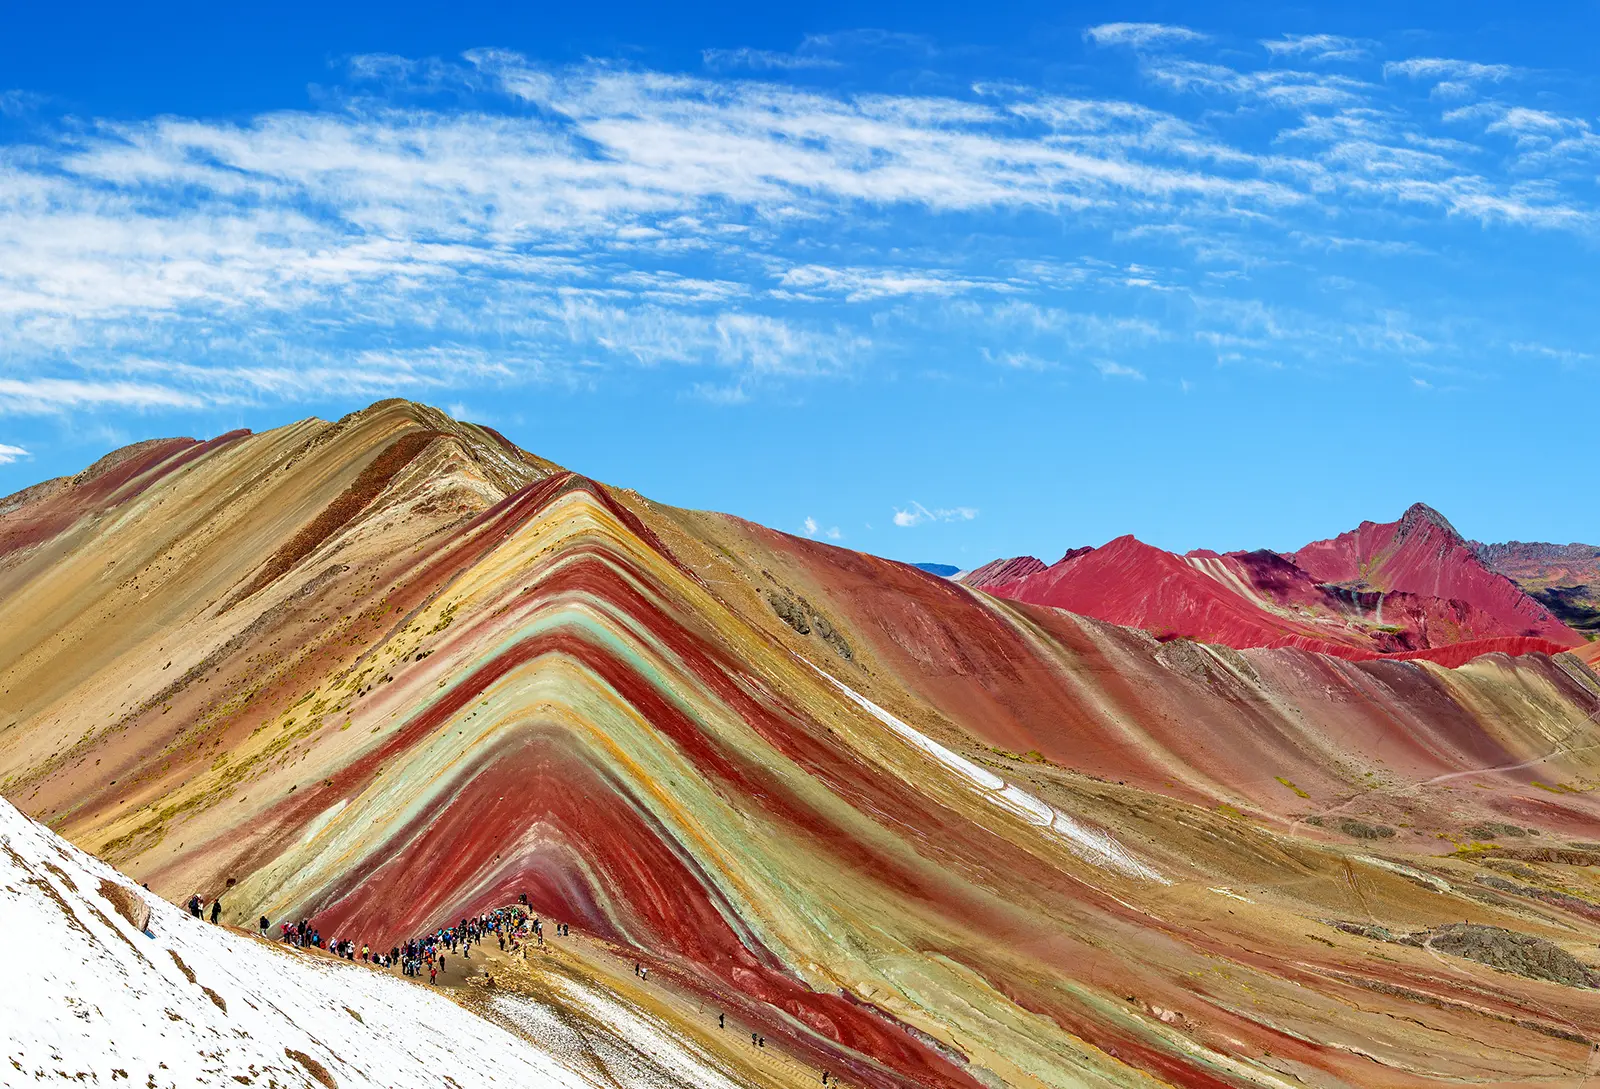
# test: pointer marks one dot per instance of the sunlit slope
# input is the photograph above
(1210, 723)
(922, 836)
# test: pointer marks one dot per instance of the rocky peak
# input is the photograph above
(1420, 514)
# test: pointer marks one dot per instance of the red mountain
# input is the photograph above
(1423, 554)
(1407, 588)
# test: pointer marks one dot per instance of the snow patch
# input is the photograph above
(1088, 843)
(1438, 884)
(652, 1058)
(321, 820)
(93, 1000)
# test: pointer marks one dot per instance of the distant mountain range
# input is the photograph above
(1409, 588)
(1563, 578)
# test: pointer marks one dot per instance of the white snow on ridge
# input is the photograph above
(1088, 843)
(89, 998)
(656, 1059)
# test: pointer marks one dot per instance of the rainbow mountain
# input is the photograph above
(387, 671)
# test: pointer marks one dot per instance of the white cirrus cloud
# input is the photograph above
(1567, 356)
(1141, 35)
(50, 395)
(1322, 47)
(739, 235)
(917, 514)
(865, 284)
(1277, 86)
(9, 453)
(764, 59)
(1017, 360)
(1445, 68)
(1109, 369)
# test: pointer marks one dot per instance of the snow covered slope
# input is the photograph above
(93, 998)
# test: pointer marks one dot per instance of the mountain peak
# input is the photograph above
(999, 571)
(1420, 513)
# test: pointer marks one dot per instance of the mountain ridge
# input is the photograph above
(1408, 587)
(913, 833)
(1563, 578)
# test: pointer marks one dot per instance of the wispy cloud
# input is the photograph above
(869, 40)
(1287, 88)
(1566, 356)
(1319, 47)
(49, 395)
(764, 59)
(15, 103)
(917, 514)
(1141, 35)
(812, 528)
(753, 232)
(1445, 68)
(9, 453)
(1024, 361)
(865, 284)
(1109, 369)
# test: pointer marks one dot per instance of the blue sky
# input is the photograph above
(940, 283)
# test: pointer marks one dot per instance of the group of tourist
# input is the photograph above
(510, 927)
(197, 907)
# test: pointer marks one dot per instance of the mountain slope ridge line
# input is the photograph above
(1413, 588)
(855, 805)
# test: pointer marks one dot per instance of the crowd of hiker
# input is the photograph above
(510, 927)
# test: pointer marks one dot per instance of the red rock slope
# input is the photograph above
(1406, 588)
(1423, 554)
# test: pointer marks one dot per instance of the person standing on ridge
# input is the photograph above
(264, 926)
(216, 909)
